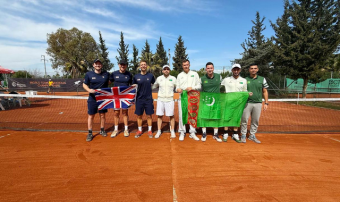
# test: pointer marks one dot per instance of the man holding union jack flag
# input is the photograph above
(94, 80)
(121, 77)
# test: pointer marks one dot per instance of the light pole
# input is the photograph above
(169, 57)
(44, 64)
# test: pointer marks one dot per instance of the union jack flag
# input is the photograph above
(116, 97)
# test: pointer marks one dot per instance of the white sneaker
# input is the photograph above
(173, 134)
(225, 137)
(204, 137)
(217, 138)
(158, 134)
(236, 138)
(114, 133)
(193, 136)
(126, 133)
(181, 137)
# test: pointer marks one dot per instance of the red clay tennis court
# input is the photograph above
(53, 162)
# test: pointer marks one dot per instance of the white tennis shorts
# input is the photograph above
(168, 107)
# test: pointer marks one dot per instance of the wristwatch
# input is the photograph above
(266, 103)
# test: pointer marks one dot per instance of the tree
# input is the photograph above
(22, 74)
(36, 73)
(123, 49)
(71, 50)
(180, 55)
(146, 53)
(162, 58)
(201, 72)
(306, 36)
(104, 54)
(134, 63)
(256, 48)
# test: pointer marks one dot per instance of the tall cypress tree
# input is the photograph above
(123, 49)
(134, 63)
(305, 37)
(180, 55)
(257, 49)
(161, 54)
(146, 53)
(104, 54)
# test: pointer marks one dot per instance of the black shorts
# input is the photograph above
(144, 105)
(92, 108)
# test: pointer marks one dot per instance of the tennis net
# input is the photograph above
(69, 113)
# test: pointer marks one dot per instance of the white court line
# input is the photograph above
(334, 139)
(4, 136)
(174, 195)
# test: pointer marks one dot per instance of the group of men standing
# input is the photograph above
(187, 80)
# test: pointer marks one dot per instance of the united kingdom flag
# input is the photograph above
(116, 97)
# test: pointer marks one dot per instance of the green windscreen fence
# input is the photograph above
(329, 85)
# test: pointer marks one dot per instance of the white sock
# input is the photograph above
(173, 131)
(126, 127)
(116, 127)
(150, 128)
(160, 131)
(204, 130)
(140, 128)
(215, 131)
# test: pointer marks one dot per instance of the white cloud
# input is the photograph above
(25, 25)
(168, 6)
(102, 12)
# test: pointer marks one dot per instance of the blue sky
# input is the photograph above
(212, 30)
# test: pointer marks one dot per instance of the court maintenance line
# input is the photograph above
(5, 135)
(334, 139)
(173, 176)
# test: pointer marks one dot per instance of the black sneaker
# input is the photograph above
(89, 137)
(204, 137)
(103, 133)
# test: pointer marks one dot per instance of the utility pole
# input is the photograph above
(169, 57)
(44, 64)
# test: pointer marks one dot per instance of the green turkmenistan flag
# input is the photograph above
(217, 109)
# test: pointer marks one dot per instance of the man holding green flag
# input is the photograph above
(211, 82)
(205, 109)
(186, 81)
(234, 83)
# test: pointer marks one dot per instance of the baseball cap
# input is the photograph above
(122, 61)
(97, 60)
(236, 65)
(166, 66)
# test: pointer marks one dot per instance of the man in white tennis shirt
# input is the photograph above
(187, 80)
(165, 100)
(234, 83)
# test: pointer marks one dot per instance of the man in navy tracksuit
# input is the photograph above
(94, 80)
(121, 77)
(144, 101)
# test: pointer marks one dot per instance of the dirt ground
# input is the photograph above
(62, 166)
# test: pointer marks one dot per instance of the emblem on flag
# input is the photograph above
(116, 97)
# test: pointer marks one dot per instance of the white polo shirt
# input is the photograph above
(190, 79)
(234, 85)
(166, 88)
